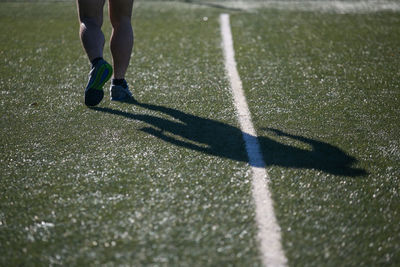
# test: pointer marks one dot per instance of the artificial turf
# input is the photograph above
(164, 180)
(324, 91)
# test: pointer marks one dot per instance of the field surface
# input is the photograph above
(165, 181)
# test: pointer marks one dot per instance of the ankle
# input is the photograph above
(121, 82)
(94, 61)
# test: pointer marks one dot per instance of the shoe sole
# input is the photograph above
(93, 96)
(94, 92)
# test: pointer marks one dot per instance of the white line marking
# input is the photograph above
(341, 7)
(269, 233)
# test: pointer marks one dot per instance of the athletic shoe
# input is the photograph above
(120, 92)
(101, 72)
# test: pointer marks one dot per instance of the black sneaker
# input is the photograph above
(120, 92)
(101, 72)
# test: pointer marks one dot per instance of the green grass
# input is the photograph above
(160, 182)
(165, 181)
(324, 93)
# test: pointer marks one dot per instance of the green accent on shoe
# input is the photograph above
(102, 76)
(98, 76)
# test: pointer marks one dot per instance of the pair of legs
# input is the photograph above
(121, 43)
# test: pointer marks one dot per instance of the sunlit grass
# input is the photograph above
(324, 93)
(164, 181)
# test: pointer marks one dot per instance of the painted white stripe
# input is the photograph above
(268, 229)
(341, 7)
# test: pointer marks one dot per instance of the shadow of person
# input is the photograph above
(223, 140)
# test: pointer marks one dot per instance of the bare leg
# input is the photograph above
(121, 44)
(91, 19)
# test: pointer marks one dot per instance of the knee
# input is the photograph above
(90, 22)
(119, 21)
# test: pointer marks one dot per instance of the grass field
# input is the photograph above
(165, 181)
